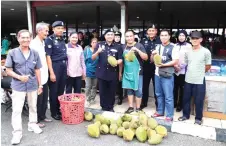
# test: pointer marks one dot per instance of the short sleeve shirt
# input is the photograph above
(174, 55)
(22, 66)
(196, 62)
(140, 60)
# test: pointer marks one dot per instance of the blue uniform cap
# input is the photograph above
(58, 23)
(109, 30)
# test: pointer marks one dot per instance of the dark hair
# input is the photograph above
(130, 30)
(72, 34)
(80, 32)
(165, 30)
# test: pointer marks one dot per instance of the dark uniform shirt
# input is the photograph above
(104, 70)
(149, 46)
(55, 47)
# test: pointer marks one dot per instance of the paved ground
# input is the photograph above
(58, 134)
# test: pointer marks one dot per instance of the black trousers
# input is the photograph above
(42, 103)
(107, 94)
(147, 77)
(57, 88)
(120, 90)
(179, 82)
(75, 83)
(198, 91)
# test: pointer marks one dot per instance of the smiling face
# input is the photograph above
(43, 32)
(74, 39)
(24, 38)
(164, 37)
(152, 32)
(130, 38)
(109, 37)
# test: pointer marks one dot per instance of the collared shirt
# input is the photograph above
(104, 70)
(167, 53)
(183, 48)
(196, 61)
(55, 47)
(16, 60)
(76, 65)
(39, 46)
(149, 46)
(91, 65)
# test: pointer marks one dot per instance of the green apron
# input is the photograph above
(130, 79)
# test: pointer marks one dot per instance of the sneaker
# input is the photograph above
(35, 128)
(156, 115)
(138, 110)
(198, 122)
(16, 139)
(129, 110)
(168, 119)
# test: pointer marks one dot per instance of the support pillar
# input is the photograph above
(34, 20)
(143, 26)
(101, 28)
(76, 25)
(98, 19)
(178, 25)
(66, 30)
(29, 16)
(218, 25)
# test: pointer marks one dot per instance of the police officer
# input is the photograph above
(56, 59)
(120, 69)
(149, 43)
(107, 74)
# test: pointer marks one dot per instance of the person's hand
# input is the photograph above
(120, 77)
(134, 49)
(100, 49)
(83, 77)
(39, 90)
(154, 52)
(24, 79)
(52, 77)
(160, 65)
(177, 68)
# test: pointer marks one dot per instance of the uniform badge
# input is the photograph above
(56, 41)
(49, 46)
(146, 42)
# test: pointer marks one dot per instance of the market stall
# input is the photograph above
(215, 102)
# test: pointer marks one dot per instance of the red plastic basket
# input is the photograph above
(72, 111)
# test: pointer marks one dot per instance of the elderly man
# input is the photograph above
(56, 54)
(38, 44)
(23, 65)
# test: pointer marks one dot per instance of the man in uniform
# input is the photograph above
(56, 59)
(107, 74)
(149, 68)
(120, 69)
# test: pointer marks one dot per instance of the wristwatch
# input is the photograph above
(40, 86)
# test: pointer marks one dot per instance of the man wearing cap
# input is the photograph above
(106, 73)
(117, 40)
(180, 69)
(149, 67)
(198, 61)
(56, 59)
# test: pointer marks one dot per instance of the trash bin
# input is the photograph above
(72, 108)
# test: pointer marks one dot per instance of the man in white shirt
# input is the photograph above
(38, 44)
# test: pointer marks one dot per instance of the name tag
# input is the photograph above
(114, 50)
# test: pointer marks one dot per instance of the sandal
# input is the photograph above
(41, 125)
(182, 119)
(168, 119)
(47, 120)
(156, 115)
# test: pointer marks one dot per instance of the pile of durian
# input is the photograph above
(127, 127)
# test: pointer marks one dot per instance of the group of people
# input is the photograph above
(48, 67)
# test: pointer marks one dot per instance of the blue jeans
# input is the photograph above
(137, 93)
(164, 92)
